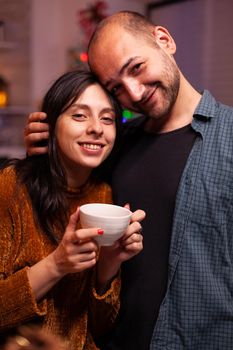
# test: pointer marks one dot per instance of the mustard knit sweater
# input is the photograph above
(71, 309)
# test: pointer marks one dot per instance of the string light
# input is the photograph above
(83, 56)
(126, 115)
(3, 99)
(3, 93)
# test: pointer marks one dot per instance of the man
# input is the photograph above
(175, 163)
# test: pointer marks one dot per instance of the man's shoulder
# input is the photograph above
(211, 107)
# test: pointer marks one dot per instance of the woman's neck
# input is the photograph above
(78, 179)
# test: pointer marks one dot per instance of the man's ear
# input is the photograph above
(164, 39)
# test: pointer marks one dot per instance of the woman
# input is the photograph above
(51, 270)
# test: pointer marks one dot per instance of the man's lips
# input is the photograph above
(145, 102)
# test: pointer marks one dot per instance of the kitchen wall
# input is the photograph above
(37, 37)
(15, 60)
(34, 47)
(44, 31)
(203, 33)
(55, 30)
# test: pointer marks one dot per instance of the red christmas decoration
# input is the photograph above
(90, 17)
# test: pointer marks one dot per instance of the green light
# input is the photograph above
(127, 114)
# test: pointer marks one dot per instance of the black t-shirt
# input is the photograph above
(147, 176)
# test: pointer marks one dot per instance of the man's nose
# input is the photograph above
(134, 89)
(95, 126)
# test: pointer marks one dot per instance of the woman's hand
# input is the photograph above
(111, 258)
(35, 132)
(33, 338)
(76, 252)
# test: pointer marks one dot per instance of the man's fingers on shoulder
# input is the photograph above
(36, 117)
(32, 138)
(35, 127)
(36, 151)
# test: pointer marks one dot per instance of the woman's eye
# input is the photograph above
(108, 120)
(79, 116)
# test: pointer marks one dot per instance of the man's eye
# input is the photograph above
(115, 89)
(136, 68)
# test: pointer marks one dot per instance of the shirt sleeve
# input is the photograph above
(17, 301)
(104, 308)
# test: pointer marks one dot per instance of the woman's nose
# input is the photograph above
(95, 126)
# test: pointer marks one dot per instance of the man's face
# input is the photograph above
(143, 76)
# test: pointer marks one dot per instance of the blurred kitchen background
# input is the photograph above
(41, 39)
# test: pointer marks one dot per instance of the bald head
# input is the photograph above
(132, 22)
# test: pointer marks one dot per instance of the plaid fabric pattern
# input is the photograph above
(197, 311)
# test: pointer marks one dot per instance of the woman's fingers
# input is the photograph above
(138, 215)
(84, 235)
(88, 256)
(72, 258)
(133, 234)
(34, 338)
(134, 242)
(78, 249)
(72, 224)
(134, 227)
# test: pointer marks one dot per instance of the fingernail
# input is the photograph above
(100, 231)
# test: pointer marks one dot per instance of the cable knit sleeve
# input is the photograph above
(17, 302)
(104, 308)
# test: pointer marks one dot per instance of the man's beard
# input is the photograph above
(167, 94)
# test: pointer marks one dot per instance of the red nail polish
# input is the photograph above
(100, 231)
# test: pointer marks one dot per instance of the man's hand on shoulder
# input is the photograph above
(36, 131)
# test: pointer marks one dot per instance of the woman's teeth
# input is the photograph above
(91, 146)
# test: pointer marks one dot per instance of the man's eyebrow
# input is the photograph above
(122, 70)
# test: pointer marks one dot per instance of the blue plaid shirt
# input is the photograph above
(197, 311)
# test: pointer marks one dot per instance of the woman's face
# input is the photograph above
(85, 134)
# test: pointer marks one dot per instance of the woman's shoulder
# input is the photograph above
(8, 183)
(8, 177)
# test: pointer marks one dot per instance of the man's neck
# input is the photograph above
(182, 112)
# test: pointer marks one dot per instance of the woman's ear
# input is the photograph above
(164, 39)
